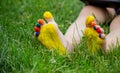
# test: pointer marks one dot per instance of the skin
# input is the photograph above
(75, 31)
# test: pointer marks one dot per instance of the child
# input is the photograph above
(74, 33)
(102, 15)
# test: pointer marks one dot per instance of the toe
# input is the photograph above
(38, 26)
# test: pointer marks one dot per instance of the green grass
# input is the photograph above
(20, 51)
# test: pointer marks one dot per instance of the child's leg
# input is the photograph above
(74, 33)
(113, 38)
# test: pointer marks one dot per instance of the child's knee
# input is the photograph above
(100, 13)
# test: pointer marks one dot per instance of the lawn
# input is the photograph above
(21, 52)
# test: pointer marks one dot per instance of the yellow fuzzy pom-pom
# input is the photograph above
(48, 15)
(89, 20)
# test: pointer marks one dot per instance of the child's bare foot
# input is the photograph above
(49, 34)
(94, 34)
(112, 40)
